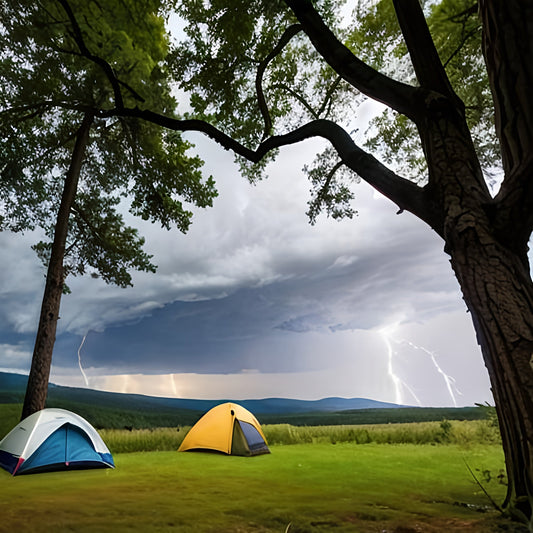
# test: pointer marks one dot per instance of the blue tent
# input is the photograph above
(53, 439)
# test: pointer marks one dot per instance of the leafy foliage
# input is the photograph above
(456, 32)
(251, 71)
(59, 61)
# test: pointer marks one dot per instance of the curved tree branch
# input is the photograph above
(298, 97)
(104, 65)
(325, 106)
(406, 194)
(115, 82)
(288, 34)
(399, 96)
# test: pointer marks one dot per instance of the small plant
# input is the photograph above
(446, 428)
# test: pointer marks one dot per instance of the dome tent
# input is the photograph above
(53, 439)
(227, 428)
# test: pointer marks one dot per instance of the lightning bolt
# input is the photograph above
(448, 380)
(397, 382)
(79, 360)
(173, 385)
(386, 334)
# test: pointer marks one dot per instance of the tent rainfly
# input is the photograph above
(53, 439)
(228, 428)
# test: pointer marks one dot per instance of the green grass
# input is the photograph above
(465, 433)
(340, 478)
(323, 487)
(9, 417)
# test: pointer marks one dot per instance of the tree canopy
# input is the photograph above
(455, 80)
(71, 161)
(59, 61)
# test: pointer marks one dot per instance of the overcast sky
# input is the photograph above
(254, 302)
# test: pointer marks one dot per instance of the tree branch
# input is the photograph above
(104, 65)
(328, 98)
(298, 97)
(40, 107)
(406, 194)
(399, 96)
(424, 56)
(288, 34)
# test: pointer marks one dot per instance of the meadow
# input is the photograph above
(461, 432)
(388, 478)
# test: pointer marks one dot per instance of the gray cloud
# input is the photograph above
(254, 286)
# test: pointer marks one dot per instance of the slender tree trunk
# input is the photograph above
(37, 388)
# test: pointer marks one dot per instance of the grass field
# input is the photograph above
(345, 487)
(380, 478)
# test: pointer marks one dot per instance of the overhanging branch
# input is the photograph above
(406, 194)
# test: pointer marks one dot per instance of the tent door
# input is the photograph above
(247, 440)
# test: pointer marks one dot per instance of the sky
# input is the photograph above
(254, 302)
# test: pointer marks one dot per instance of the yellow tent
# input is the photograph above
(227, 428)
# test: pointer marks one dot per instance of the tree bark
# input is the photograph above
(37, 387)
(508, 48)
(499, 293)
(497, 289)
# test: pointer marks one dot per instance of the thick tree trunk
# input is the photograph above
(499, 293)
(497, 289)
(37, 388)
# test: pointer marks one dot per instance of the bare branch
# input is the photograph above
(324, 107)
(326, 104)
(298, 97)
(424, 56)
(465, 38)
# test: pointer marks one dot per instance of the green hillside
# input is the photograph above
(119, 411)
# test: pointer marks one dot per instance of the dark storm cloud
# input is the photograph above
(253, 288)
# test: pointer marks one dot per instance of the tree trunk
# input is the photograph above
(499, 293)
(37, 387)
(497, 288)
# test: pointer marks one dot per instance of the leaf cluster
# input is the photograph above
(61, 59)
(456, 32)
(251, 71)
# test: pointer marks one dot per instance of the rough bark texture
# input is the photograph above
(508, 49)
(499, 294)
(492, 266)
(37, 388)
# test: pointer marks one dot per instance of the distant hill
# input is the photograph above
(117, 410)
(12, 387)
